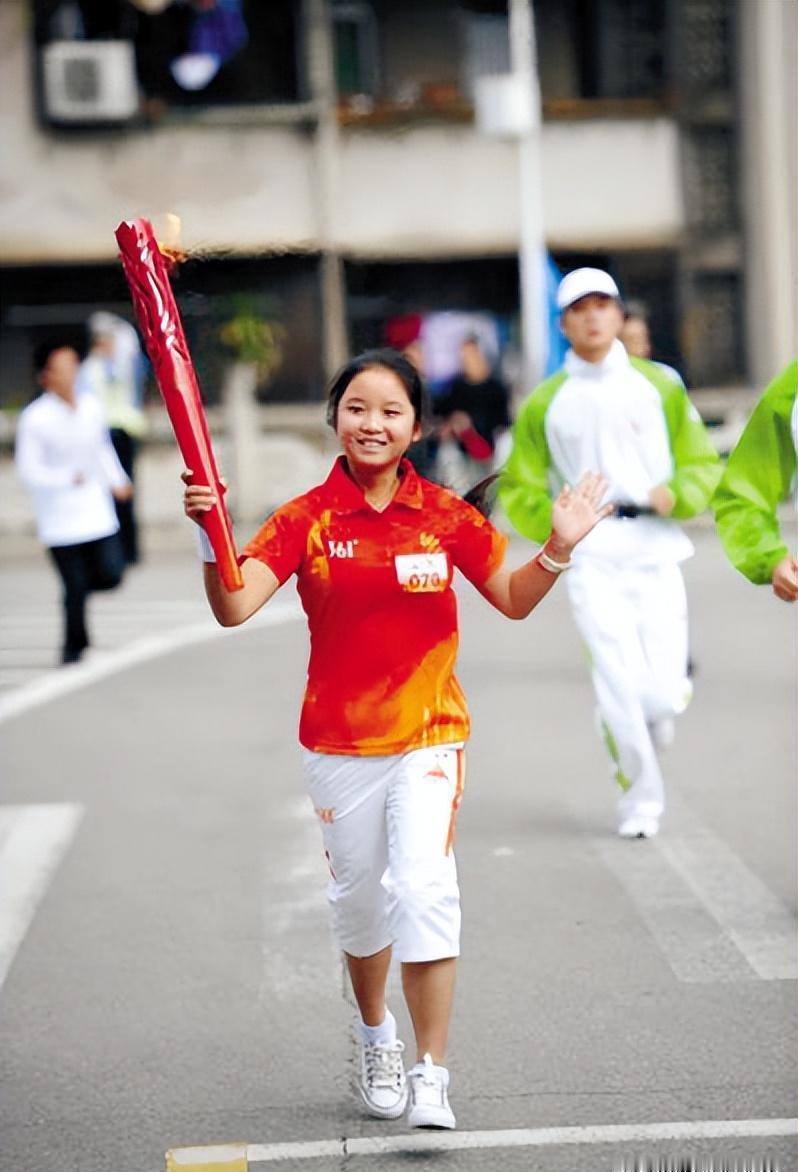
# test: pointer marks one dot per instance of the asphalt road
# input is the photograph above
(169, 975)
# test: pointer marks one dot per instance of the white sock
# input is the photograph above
(383, 1034)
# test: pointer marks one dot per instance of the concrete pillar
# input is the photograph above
(241, 467)
(321, 78)
(768, 49)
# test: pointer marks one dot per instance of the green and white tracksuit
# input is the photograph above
(625, 418)
(759, 474)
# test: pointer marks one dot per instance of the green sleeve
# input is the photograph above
(697, 466)
(758, 476)
(524, 490)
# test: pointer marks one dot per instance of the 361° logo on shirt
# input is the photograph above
(341, 549)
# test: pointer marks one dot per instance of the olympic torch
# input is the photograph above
(147, 272)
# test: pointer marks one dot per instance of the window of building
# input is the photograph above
(355, 45)
(416, 58)
(422, 57)
(601, 49)
(114, 61)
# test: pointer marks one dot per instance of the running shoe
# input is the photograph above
(381, 1082)
(637, 827)
(429, 1102)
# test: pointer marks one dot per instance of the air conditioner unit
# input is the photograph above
(89, 81)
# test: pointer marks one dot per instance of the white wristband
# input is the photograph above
(204, 547)
(549, 564)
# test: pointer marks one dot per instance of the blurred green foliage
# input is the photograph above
(252, 332)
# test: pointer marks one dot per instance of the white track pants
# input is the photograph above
(634, 623)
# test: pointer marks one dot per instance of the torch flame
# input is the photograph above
(170, 227)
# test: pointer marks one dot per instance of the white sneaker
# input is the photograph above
(637, 827)
(382, 1083)
(429, 1103)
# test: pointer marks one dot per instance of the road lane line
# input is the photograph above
(213, 1157)
(695, 946)
(33, 839)
(760, 924)
(713, 918)
(69, 679)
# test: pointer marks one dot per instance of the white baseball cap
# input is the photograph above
(581, 282)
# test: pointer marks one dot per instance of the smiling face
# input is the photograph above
(375, 420)
(592, 324)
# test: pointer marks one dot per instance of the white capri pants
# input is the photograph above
(634, 623)
(388, 829)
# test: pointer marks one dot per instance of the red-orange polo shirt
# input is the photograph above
(377, 590)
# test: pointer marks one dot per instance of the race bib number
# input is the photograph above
(422, 573)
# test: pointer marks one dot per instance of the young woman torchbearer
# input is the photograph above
(384, 720)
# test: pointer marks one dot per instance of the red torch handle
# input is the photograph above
(162, 330)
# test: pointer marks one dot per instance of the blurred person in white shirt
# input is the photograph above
(65, 458)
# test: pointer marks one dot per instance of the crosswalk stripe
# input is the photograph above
(713, 919)
(760, 924)
(33, 839)
(695, 946)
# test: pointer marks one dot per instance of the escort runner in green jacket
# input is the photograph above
(758, 476)
(626, 419)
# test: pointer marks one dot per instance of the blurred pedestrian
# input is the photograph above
(472, 414)
(759, 475)
(113, 372)
(65, 458)
(624, 417)
(384, 719)
(636, 337)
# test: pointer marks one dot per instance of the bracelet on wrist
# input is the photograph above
(549, 563)
(204, 547)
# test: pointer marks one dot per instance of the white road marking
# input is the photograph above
(712, 917)
(69, 679)
(33, 840)
(695, 946)
(472, 1140)
(761, 925)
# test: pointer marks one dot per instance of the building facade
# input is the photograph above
(333, 173)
